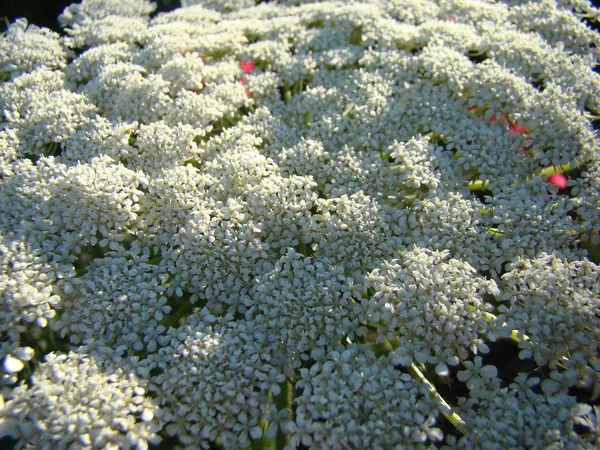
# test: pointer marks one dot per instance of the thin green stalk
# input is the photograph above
(553, 170)
(482, 185)
(283, 401)
(478, 185)
(444, 407)
(259, 444)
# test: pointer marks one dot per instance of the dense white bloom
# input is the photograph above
(586, 191)
(221, 5)
(434, 306)
(548, 298)
(77, 400)
(90, 10)
(351, 399)
(214, 380)
(303, 304)
(233, 220)
(26, 48)
(518, 417)
(120, 298)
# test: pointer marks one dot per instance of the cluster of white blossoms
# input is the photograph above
(325, 224)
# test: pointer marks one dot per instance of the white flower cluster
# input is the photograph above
(312, 222)
(81, 401)
(25, 48)
(518, 417)
(350, 398)
(548, 299)
(433, 306)
(215, 381)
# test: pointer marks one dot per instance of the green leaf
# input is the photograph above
(356, 35)
(193, 162)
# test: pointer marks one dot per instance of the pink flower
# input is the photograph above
(558, 179)
(248, 66)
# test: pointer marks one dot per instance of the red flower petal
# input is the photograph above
(472, 108)
(248, 66)
(515, 129)
(243, 83)
(558, 179)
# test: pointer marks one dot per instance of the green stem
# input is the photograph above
(444, 407)
(553, 170)
(478, 185)
(303, 249)
(495, 232)
(283, 401)
(356, 35)
(259, 444)
(482, 185)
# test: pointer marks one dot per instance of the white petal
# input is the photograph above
(489, 371)
(482, 347)
(256, 432)
(435, 434)
(453, 360)
(442, 369)
(8, 427)
(147, 416)
(463, 375)
(12, 364)
(24, 353)
(272, 430)
(550, 386)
